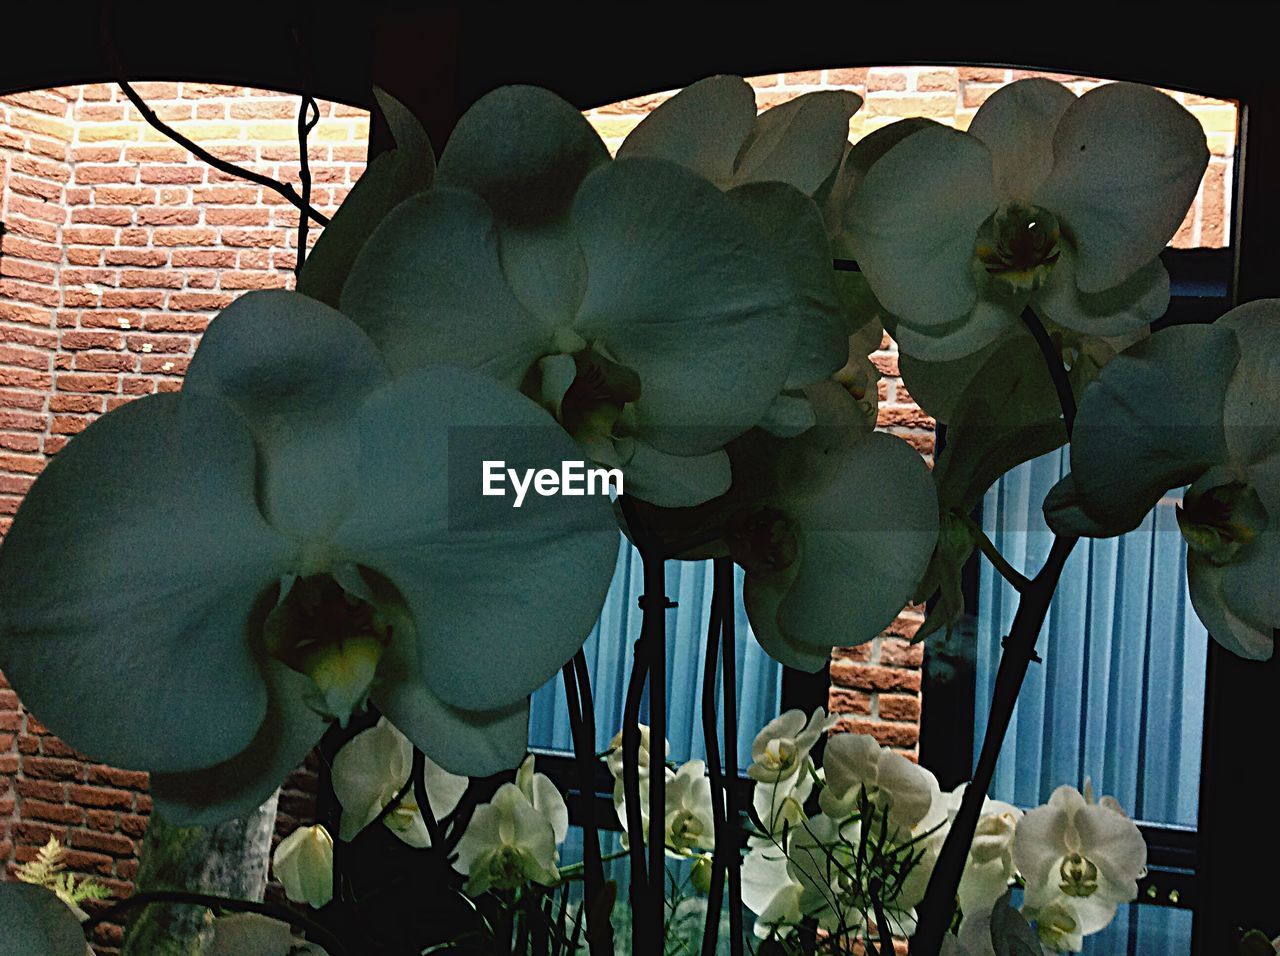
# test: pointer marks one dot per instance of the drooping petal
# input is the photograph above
(239, 934)
(428, 287)
(547, 800)
(1017, 123)
(683, 290)
(867, 539)
(1038, 844)
(1248, 583)
(762, 595)
(370, 769)
(303, 863)
(127, 583)
(1121, 310)
(37, 923)
(675, 481)
(1127, 161)
(702, 128)
(296, 370)
(1150, 422)
(990, 318)
(913, 222)
(1253, 394)
(525, 151)
(482, 579)
(1206, 582)
(1114, 844)
(799, 142)
(390, 178)
(238, 786)
(791, 225)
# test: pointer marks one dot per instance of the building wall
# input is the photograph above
(118, 248)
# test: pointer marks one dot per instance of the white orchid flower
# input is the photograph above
(620, 805)
(638, 303)
(1079, 859)
(252, 934)
(545, 797)
(989, 868)
(303, 863)
(769, 890)
(35, 921)
(614, 757)
(372, 768)
(857, 767)
(508, 843)
(690, 817)
(779, 804)
(780, 749)
(238, 564)
(1058, 926)
(1049, 200)
(1192, 405)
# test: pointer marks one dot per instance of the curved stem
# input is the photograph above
(422, 798)
(1053, 362)
(1019, 581)
(723, 595)
(313, 930)
(638, 890)
(715, 894)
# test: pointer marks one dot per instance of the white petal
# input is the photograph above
(913, 223)
(799, 142)
(1121, 310)
(1115, 845)
(988, 319)
(866, 543)
(369, 769)
(1127, 164)
(296, 370)
(525, 150)
(127, 583)
(788, 416)
(1150, 422)
(1017, 123)
(762, 596)
(675, 481)
(1253, 428)
(702, 127)
(483, 580)
(428, 287)
(1039, 843)
(238, 934)
(1206, 582)
(682, 289)
(240, 785)
(35, 921)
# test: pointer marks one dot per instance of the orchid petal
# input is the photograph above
(867, 540)
(296, 370)
(1127, 164)
(799, 142)
(525, 151)
(1207, 584)
(428, 287)
(482, 580)
(913, 222)
(155, 589)
(702, 128)
(37, 923)
(236, 787)
(988, 319)
(1121, 310)
(1253, 394)
(676, 481)
(683, 290)
(1017, 124)
(1150, 422)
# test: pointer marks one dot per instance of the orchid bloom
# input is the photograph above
(35, 921)
(640, 305)
(614, 757)
(989, 868)
(769, 890)
(545, 797)
(690, 819)
(1049, 200)
(238, 564)
(779, 804)
(780, 749)
(303, 863)
(1192, 405)
(507, 844)
(1080, 861)
(856, 766)
(372, 768)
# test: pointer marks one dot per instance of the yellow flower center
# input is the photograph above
(1018, 246)
(1219, 520)
(762, 540)
(596, 400)
(1079, 876)
(505, 868)
(779, 754)
(685, 829)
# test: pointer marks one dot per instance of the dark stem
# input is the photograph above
(882, 924)
(420, 797)
(314, 930)
(638, 890)
(654, 604)
(582, 723)
(308, 117)
(148, 114)
(1053, 362)
(394, 805)
(715, 894)
(723, 595)
(938, 906)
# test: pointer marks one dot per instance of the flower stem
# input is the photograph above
(723, 594)
(715, 893)
(1019, 581)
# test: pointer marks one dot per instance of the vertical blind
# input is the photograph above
(609, 653)
(1119, 695)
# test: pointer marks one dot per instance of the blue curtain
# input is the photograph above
(1120, 694)
(609, 655)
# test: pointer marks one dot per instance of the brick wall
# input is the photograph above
(119, 248)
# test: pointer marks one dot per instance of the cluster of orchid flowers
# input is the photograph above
(202, 582)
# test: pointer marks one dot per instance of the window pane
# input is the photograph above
(609, 655)
(1119, 696)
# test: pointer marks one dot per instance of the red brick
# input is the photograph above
(136, 779)
(898, 653)
(111, 843)
(76, 404)
(844, 701)
(872, 677)
(74, 382)
(905, 736)
(904, 707)
(53, 768)
(101, 797)
(181, 236)
(200, 300)
(172, 174)
(106, 174)
(52, 812)
(253, 280)
(136, 257)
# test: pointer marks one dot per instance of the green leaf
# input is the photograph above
(391, 177)
(1011, 934)
(1008, 414)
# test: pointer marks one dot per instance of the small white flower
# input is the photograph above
(303, 863)
(780, 804)
(989, 866)
(507, 844)
(690, 819)
(780, 749)
(769, 890)
(545, 797)
(615, 753)
(856, 764)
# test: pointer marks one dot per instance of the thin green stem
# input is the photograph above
(1019, 581)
